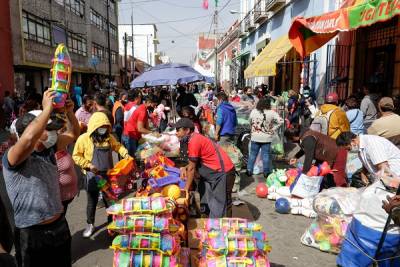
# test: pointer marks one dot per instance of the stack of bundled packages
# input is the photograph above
(335, 208)
(149, 236)
(232, 242)
(150, 144)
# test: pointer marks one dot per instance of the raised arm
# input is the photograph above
(26, 143)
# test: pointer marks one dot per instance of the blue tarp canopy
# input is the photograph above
(167, 74)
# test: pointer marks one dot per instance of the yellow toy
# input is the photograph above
(171, 191)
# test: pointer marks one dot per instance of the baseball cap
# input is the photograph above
(386, 102)
(184, 123)
(332, 98)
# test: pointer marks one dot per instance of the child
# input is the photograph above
(93, 153)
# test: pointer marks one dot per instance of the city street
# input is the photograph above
(284, 232)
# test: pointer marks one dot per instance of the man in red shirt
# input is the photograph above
(216, 170)
(134, 99)
(138, 124)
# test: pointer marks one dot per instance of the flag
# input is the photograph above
(205, 4)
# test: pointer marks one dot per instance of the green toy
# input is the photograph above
(277, 178)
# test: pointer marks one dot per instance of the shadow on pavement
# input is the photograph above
(83, 246)
(254, 210)
(245, 180)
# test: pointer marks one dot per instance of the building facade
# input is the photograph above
(145, 42)
(38, 26)
(264, 21)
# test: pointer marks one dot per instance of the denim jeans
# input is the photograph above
(265, 155)
(130, 144)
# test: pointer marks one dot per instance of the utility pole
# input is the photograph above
(126, 58)
(133, 49)
(216, 45)
(108, 42)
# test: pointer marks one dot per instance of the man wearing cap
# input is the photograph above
(336, 117)
(42, 236)
(388, 124)
(216, 170)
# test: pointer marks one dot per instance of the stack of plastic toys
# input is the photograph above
(149, 236)
(60, 72)
(232, 242)
(161, 178)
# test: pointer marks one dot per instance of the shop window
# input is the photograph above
(113, 31)
(77, 7)
(35, 28)
(114, 56)
(76, 43)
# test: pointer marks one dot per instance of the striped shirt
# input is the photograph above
(374, 150)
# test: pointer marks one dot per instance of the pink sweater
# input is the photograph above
(67, 176)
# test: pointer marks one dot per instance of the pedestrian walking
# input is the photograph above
(264, 124)
(84, 113)
(93, 153)
(226, 120)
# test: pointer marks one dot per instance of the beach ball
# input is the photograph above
(262, 190)
(172, 191)
(282, 206)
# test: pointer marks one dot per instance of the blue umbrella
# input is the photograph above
(167, 74)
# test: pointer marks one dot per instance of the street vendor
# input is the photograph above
(376, 153)
(216, 170)
(92, 152)
(319, 147)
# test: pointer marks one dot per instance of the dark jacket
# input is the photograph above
(319, 147)
(226, 118)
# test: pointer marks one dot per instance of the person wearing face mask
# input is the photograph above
(319, 147)
(93, 153)
(216, 170)
(84, 113)
(376, 153)
(31, 179)
(138, 123)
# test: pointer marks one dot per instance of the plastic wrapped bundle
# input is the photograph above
(334, 208)
(139, 223)
(140, 205)
(143, 259)
(161, 243)
(223, 261)
(231, 224)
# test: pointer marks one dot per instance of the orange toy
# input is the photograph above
(123, 167)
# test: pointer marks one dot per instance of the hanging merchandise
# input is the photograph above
(60, 72)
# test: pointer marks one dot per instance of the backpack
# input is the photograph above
(321, 122)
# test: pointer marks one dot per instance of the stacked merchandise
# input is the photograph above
(335, 208)
(149, 236)
(232, 242)
(167, 143)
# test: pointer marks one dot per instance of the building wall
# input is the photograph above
(32, 57)
(6, 68)
(145, 39)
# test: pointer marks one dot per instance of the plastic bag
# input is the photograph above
(306, 186)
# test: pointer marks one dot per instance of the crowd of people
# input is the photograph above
(44, 146)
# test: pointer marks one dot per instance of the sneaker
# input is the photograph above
(89, 230)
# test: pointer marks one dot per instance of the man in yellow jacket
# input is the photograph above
(334, 116)
(93, 153)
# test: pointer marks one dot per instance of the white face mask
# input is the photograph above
(355, 148)
(102, 131)
(51, 140)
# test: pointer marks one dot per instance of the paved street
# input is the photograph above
(284, 234)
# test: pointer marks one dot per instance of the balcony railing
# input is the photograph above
(259, 11)
(274, 5)
(248, 23)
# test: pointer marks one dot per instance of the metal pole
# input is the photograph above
(133, 48)
(216, 46)
(108, 42)
(126, 59)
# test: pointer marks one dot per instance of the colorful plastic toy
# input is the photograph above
(168, 180)
(282, 206)
(223, 261)
(262, 190)
(277, 178)
(141, 205)
(291, 175)
(156, 160)
(61, 71)
(162, 243)
(172, 191)
(143, 259)
(104, 186)
(123, 167)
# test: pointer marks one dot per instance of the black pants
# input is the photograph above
(65, 204)
(44, 245)
(230, 181)
(92, 199)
